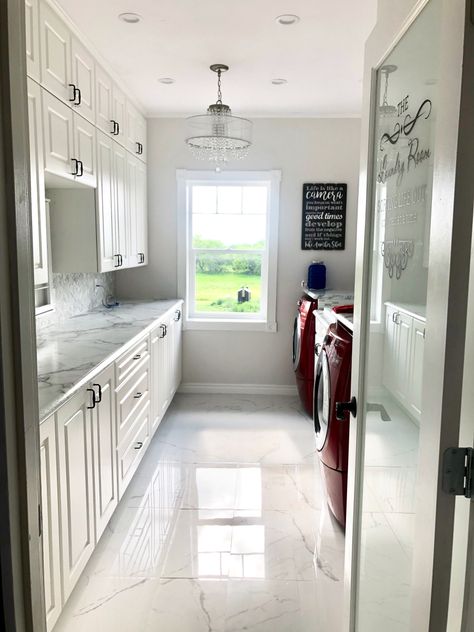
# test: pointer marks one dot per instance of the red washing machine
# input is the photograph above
(332, 386)
(303, 338)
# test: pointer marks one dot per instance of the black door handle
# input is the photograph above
(117, 265)
(93, 400)
(71, 85)
(76, 166)
(79, 168)
(346, 407)
(77, 96)
(98, 396)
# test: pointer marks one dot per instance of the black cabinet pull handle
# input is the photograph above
(93, 399)
(77, 96)
(177, 315)
(137, 357)
(138, 148)
(75, 171)
(98, 396)
(141, 257)
(343, 407)
(141, 149)
(79, 168)
(137, 395)
(117, 264)
(121, 260)
(163, 330)
(71, 85)
(139, 445)
(116, 127)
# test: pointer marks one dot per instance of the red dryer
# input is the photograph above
(332, 384)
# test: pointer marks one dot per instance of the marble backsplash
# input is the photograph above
(76, 293)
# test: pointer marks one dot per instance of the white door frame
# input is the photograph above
(447, 303)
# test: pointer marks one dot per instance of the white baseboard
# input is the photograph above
(239, 389)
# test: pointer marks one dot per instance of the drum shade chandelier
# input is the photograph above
(218, 135)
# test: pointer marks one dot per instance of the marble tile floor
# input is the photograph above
(223, 528)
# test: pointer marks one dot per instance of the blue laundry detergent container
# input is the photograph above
(317, 276)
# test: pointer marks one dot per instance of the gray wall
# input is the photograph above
(306, 150)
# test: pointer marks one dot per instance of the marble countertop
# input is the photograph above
(71, 353)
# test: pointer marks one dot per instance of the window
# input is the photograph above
(228, 224)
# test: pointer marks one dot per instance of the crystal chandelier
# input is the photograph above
(219, 136)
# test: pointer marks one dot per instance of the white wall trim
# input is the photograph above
(238, 389)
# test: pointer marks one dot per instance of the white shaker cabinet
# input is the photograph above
(83, 79)
(39, 223)
(33, 67)
(121, 206)
(403, 353)
(136, 132)
(119, 115)
(76, 502)
(69, 144)
(104, 448)
(50, 522)
(103, 97)
(176, 343)
(137, 200)
(160, 363)
(107, 259)
(416, 365)
(55, 41)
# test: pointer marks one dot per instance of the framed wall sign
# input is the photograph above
(324, 216)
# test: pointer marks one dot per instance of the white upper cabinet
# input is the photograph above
(121, 206)
(69, 143)
(103, 96)
(136, 131)
(84, 151)
(39, 224)
(119, 115)
(55, 41)
(136, 175)
(32, 39)
(83, 79)
(108, 257)
(58, 137)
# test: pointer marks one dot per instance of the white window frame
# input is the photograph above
(219, 321)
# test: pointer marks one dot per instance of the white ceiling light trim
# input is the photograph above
(218, 136)
(130, 18)
(287, 19)
(167, 80)
(279, 82)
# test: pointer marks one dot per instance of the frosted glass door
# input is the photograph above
(403, 158)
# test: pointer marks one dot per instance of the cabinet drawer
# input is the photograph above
(131, 451)
(130, 398)
(129, 361)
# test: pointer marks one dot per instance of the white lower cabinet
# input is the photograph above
(92, 446)
(50, 521)
(403, 358)
(104, 441)
(76, 501)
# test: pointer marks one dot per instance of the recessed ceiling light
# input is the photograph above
(130, 18)
(279, 82)
(166, 80)
(287, 19)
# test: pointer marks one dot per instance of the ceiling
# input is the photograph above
(321, 57)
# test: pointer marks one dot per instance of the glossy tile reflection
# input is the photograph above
(218, 530)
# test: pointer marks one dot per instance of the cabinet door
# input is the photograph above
(132, 129)
(32, 39)
(85, 150)
(119, 115)
(83, 77)
(105, 204)
(416, 365)
(76, 488)
(130, 452)
(159, 375)
(58, 137)
(104, 444)
(141, 136)
(55, 41)
(403, 353)
(142, 214)
(121, 204)
(39, 223)
(132, 197)
(390, 349)
(176, 351)
(50, 515)
(103, 96)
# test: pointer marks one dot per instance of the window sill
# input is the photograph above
(227, 324)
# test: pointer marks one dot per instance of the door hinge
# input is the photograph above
(458, 471)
